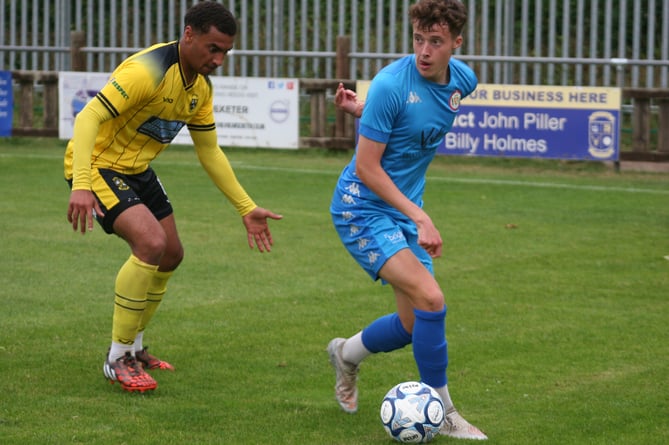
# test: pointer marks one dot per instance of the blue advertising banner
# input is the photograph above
(6, 103)
(579, 123)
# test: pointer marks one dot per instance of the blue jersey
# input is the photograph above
(411, 115)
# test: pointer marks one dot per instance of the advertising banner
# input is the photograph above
(249, 112)
(579, 123)
(6, 103)
(75, 90)
(254, 112)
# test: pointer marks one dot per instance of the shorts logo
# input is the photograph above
(394, 237)
(372, 257)
(454, 101)
(362, 243)
(353, 189)
(347, 199)
(120, 183)
(346, 215)
(353, 229)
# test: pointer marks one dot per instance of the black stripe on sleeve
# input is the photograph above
(107, 104)
(207, 127)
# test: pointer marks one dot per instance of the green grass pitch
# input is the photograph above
(554, 273)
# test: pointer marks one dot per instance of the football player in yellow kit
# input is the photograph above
(148, 99)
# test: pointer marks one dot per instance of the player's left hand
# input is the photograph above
(429, 237)
(257, 229)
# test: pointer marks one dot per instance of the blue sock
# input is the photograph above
(385, 334)
(429, 346)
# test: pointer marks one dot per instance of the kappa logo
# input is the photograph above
(413, 98)
(362, 243)
(347, 199)
(372, 257)
(353, 189)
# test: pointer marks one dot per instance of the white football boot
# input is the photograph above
(346, 390)
(457, 427)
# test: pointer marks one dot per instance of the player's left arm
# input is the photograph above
(218, 167)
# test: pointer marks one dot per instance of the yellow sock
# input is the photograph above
(132, 283)
(157, 289)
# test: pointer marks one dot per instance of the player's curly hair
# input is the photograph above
(427, 13)
(203, 15)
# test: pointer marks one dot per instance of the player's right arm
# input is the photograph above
(385, 101)
(130, 84)
(82, 205)
(370, 171)
(347, 100)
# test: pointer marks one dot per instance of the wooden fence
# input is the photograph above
(340, 134)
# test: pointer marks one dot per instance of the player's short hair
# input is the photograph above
(203, 15)
(427, 13)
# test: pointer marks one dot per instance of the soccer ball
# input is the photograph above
(412, 412)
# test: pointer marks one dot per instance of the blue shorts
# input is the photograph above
(372, 237)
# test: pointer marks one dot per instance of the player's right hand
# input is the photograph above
(346, 100)
(82, 209)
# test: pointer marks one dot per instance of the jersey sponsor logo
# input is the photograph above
(161, 130)
(454, 100)
(431, 137)
(119, 88)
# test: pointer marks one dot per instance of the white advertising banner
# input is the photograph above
(75, 90)
(254, 112)
(249, 111)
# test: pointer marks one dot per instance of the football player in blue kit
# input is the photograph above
(377, 206)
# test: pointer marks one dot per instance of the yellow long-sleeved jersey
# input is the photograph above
(135, 116)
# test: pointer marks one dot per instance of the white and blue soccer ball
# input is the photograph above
(412, 412)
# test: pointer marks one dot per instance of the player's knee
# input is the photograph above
(150, 249)
(157, 244)
(435, 303)
(173, 257)
(431, 300)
